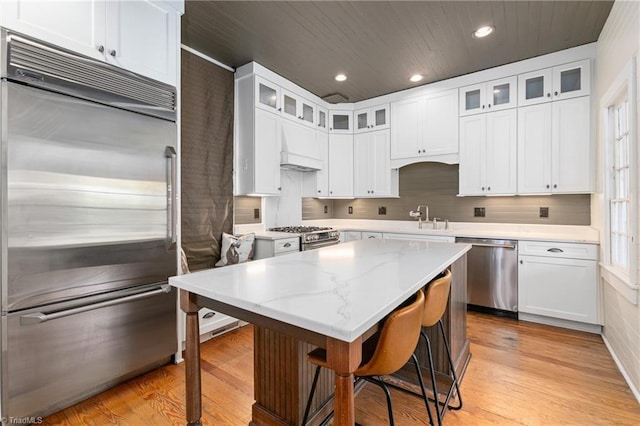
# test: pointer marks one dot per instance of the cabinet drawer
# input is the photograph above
(559, 249)
(367, 235)
(286, 245)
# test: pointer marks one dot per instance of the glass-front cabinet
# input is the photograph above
(322, 119)
(490, 96)
(340, 121)
(298, 108)
(376, 118)
(551, 84)
(267, 95)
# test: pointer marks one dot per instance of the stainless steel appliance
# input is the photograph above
(88, 223)
(492, 275)
(312, 237)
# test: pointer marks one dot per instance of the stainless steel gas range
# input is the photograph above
(312, 237)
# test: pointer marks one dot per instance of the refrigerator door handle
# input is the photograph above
(39, 317)
(170, 154)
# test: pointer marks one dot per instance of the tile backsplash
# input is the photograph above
(436, 185)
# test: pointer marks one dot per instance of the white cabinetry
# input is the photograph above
(258, 139)
(140, 36)
(424, 127)
(341, 122)
(554, 147)
(297, 108)
(340, 165)
(560, 82)
(369, 119)
(366, 235)
(558, 280)
(270, 247)
(494, 95)
(372, 174)
(488, 153)
(346, 236)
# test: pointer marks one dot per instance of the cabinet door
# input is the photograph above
(408, 118)
(501, 156)
(75, 25)
(571, 152)
(371, 235)
(558, 288)
(363, 164)
(340, 122)
(361, 118)
(535, 87)
(347, 236)
(473, 99)
(341, 165)
(267, 95)
(322, 175)
(322, 119)
(379, 117)
(534, 149)
(381, 173)
(307, 112)
(473, 131)
(501, 94)
(572, 80)
(267, 153)
(290, 105)
(142, 37)
(441, 124)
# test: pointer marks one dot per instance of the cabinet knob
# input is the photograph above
(489, 106)
(555, 93)
(279, 109)
(330, 192)
(330, 128)
(548, 95)
(319, 191)
(113, 52)
(521, 262)
(489, 188)
(279, 188)
(101, 49)
(548, 186)
(555, 186)
(482, 188)
(424, 150)
(482, 106)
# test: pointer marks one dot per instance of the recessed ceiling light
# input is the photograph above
(416, 77)
(340, 77)
(483, 31)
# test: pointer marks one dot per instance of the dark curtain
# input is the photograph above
(207, 159)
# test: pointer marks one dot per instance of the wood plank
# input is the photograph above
(520, 373)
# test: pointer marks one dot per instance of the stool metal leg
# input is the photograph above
(313, 391)
(434, 385)
(453, 373)
(424, 392)
(385, 388)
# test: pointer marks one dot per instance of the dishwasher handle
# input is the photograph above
(505, 246)
(39, 317)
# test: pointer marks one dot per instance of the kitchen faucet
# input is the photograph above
(417, 213)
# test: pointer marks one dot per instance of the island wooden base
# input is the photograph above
(283, 377)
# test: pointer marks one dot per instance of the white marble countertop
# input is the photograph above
(566, 233)
(339, 291)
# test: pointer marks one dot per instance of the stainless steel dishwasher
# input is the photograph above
(492, 275)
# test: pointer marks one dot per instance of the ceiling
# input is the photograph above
(379, 44)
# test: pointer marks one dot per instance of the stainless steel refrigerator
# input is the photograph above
(87, 192)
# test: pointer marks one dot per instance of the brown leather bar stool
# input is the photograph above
(384, 353)
(436, 299)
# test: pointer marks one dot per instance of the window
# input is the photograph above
(619, 133)
(620, 228)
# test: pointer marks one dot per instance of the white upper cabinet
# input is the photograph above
(140, 36)
(341, 122)
(424, 127)
(267, 95)
(372, 169)
(370, 119)
(340, 165)
(488, 160)
(556, 83)
(490, 96)
(298, 108)
(322, 119)
(554, 147)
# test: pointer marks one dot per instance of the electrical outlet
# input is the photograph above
(256, 213)
(478, 212)
(326, 209)
(544, 211)
(382, 210)
(350, 210)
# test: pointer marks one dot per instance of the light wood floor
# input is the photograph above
(520, 374)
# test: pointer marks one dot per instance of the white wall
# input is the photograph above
(619, 41)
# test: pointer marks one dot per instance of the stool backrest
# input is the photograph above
(436, 298)
(397, 340)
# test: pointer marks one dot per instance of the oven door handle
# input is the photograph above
(316, 245)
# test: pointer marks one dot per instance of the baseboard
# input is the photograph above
(573, 325)
(627, 379)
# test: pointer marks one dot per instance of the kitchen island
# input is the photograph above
(333, 297)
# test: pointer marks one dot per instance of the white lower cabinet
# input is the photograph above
(558, 280)
(346, 236)
(369, 235)
(268, 247)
